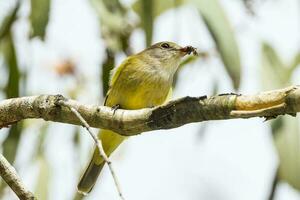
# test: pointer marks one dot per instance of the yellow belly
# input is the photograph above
(137, 94)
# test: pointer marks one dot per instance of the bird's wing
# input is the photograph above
(115, 74)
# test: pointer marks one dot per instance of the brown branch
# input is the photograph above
(10, 176)
(171, 115)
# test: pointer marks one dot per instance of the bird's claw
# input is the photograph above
(115, 107)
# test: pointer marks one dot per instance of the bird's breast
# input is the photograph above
(137, 89)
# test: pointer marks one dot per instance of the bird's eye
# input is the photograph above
(165, 45)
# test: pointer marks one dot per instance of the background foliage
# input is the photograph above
(118, 21)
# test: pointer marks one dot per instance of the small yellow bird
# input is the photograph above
(142, 80)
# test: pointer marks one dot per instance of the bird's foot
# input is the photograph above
(115, 107)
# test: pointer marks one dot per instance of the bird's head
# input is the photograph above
(168, 54)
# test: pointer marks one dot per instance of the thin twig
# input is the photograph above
(10, 176)
(274, 185)
(98, 143)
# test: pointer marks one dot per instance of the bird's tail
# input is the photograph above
(89, 177)
(110, 142)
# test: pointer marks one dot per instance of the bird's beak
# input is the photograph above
(188, 50)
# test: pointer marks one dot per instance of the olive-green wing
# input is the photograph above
(115, 73)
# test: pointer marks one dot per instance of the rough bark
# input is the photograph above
(170, 115)
(10, 176)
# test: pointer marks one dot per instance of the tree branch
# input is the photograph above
(10, 176)
(170, 115)
(98, 143)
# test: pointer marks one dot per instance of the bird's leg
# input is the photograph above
(115, 107)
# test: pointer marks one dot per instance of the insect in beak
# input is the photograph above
(189, 50)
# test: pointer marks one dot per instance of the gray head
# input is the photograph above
(166, 53)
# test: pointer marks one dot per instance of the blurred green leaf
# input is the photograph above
(9, 20)
(147, 19)
(116, 31)
(76, 138)
(114, 6)
(285, 130)
(10, 59)
(249, 5)
(295, 62)
(43, 179)
(272, 56)
(159, 6)
(115, 27)
(111, 15)
(42, 185)
(9, 148)
(222, 33)
(215, 88)
(39, 17)
(10, 144)
(148, 10)
(107, 66)
(12, 90)
(274, 73)
(287, 141)
(41, 140)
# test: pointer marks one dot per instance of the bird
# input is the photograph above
(142, 80)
